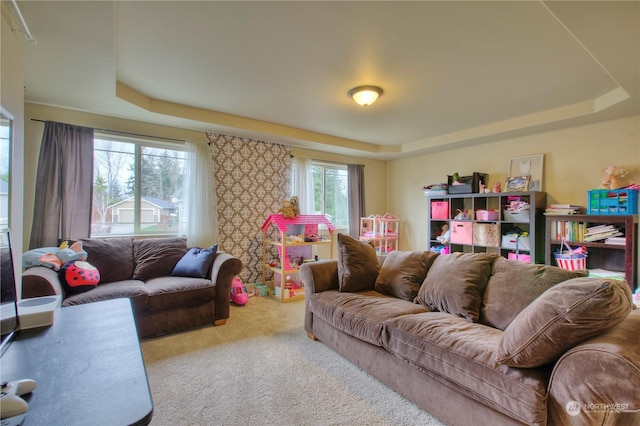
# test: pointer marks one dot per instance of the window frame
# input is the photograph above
(332, 166)
(139, 142)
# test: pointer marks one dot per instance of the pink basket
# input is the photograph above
(570, 260)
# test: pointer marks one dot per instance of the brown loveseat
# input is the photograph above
(141, 271)
(479, 339)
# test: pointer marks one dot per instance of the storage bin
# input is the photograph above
(487, 214)
(612, 201)
(519, 217)
(439, 210)
(486, 234)
(519, 256)
(470, 184)
(509, 242)
(461, 232)
(262, 289)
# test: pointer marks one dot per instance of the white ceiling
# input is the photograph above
(454, 73)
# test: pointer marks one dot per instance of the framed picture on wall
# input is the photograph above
(531, 166)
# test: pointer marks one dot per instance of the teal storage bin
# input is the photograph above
(612, 201)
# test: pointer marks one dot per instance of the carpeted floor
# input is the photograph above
(262, 369)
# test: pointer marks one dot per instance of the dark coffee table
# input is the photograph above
(88, 367)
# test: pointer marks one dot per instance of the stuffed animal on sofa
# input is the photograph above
(54, 257)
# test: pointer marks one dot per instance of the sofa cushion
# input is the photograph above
(461, 355)
(156, 257)
(133, 289)
(455, 284)
(113, 257)
(361, 315)
(562, 317)
(169, 292)
(403, 272)
(357, 264)
(196, 262)
(514, 285)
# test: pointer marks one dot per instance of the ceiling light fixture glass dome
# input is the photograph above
(365, 95)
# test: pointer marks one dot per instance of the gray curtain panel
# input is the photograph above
(64, 185)
(355, 190)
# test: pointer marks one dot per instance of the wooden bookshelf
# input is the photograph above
(613, 257)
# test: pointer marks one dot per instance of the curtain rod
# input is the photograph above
(124, 133)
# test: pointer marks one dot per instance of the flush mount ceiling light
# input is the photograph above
(365, 95)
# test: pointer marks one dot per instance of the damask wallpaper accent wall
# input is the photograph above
(252, 178)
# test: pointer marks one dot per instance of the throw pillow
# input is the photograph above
(357, 264)
(514, 285)
(112, 256)
(196, 262)
(403, 272)
(156, 257)
(455, 284)
(78, 276)
(563, 316)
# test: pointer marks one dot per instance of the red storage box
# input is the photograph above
(461, 232)
(439, 210)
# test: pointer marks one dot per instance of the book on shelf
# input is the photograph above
(562, 209)
(599, 229)
(616, 240)
(602, 236)
(564, 206)
(605, 273)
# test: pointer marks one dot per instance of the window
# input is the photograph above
(137, 186)
(330, 192)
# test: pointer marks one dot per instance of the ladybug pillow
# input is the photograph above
(78, 276)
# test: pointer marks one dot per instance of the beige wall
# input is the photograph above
(573, 162)
(12, 99)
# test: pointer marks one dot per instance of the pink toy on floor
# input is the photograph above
(239, 293)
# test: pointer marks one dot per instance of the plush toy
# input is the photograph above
(289, 208)
(612, 176)
(78, 276)
(497, 187)
(445, 234)
(54, 257)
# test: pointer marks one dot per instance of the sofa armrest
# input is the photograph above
(319, 276)
(225, 267)
(596, 382)
(39, 281)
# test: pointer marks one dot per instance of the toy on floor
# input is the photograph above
(239, 293)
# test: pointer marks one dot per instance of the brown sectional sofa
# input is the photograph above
(141, 271)
(478, 339)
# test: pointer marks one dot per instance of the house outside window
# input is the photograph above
(137, 186)
(330, 192)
